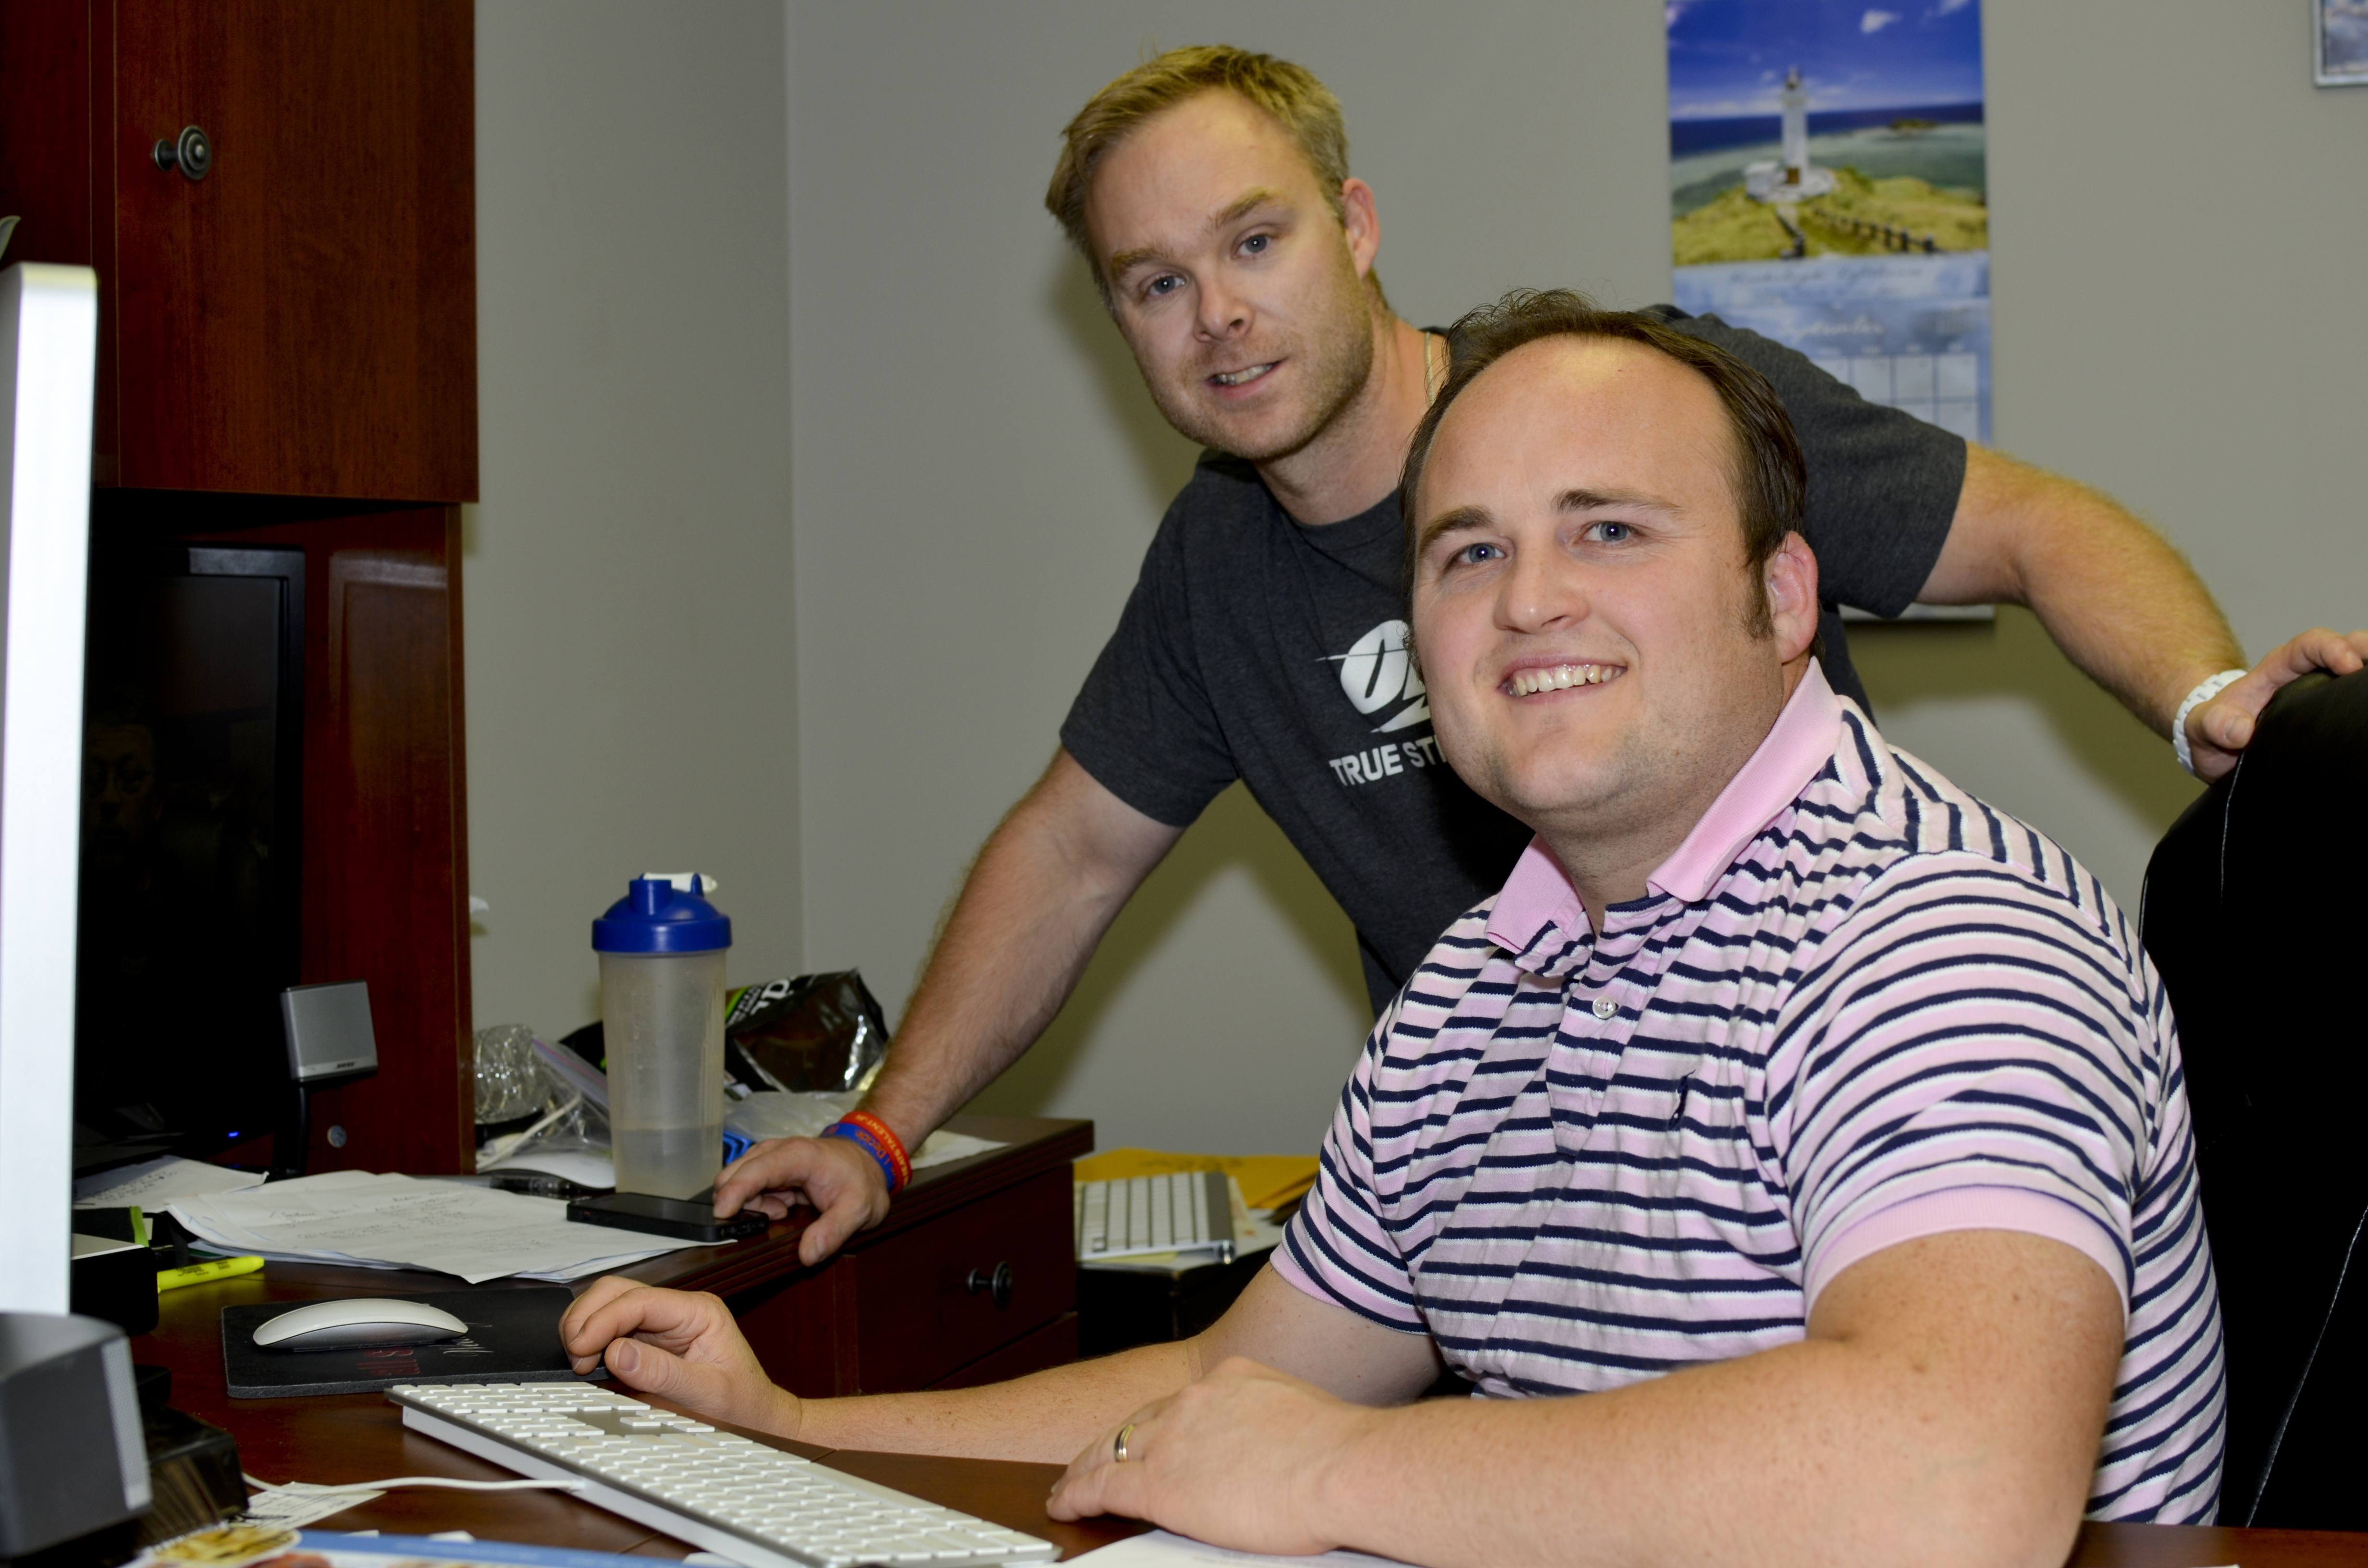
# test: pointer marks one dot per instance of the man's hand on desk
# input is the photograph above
(1235, 1459)
(2221, 728)
(829, 1174)
(679, 1345)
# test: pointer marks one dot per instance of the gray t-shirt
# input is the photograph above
(1257, 648)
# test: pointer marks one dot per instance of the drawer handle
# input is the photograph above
(192, 154)
(996, 1284)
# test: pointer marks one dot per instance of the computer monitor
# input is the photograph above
(191, 845)
(49, 348)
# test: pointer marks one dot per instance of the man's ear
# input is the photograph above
(1361, 222)
(1791, 577)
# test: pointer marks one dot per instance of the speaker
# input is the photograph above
(329, 1038)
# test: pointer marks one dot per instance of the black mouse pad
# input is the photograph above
(513, 1338)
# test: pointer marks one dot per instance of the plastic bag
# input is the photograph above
(509, 1085)
(815, 1033)
(571, 1137)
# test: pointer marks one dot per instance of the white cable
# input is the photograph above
(322, 1489)
(2205, 690)
(500, 1148)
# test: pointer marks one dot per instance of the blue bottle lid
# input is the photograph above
(662, 914)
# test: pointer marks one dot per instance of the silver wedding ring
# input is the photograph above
(1118, 1447)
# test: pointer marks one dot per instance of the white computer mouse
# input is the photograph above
(364, 1321)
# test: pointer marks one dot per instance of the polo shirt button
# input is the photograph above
(1605, 1007)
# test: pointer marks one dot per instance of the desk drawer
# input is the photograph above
(925, 1302)
(894, 1313)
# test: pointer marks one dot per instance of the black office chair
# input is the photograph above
(2253, 913)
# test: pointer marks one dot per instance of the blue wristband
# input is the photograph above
(869, 1144)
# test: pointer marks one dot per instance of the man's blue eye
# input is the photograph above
(1166, 283)
(1472, 554)
(1611, 533)
(1258, 242)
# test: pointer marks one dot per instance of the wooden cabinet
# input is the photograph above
(288, 356)
(914, 1303)
(301, 321)
(385, 810)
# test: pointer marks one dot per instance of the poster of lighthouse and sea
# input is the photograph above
(1829, 188)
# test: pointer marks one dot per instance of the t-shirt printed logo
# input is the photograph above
(1379, 670)
(1379, 677)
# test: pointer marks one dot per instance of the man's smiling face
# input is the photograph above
(1582, 609)
(1241, 294)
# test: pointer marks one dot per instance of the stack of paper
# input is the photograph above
(398, 1221)
(154, 1183)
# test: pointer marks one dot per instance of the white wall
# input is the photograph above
(631, 676)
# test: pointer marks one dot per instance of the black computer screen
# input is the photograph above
(191, 887)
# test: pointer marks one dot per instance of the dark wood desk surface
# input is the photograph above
(350, 1438)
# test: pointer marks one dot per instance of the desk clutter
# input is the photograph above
(797, 1055)
(263, 1545)
(397, 1222)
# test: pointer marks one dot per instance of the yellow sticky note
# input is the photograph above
(1267, 1181)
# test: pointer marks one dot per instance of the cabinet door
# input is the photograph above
(302, 319)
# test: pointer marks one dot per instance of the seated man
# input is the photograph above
(1820, 1123)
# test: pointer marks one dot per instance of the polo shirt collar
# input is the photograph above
(1538, 898)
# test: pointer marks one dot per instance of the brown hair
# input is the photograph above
(1767, 475)
(1302, 106)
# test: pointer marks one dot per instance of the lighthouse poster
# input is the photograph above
(1829, 188)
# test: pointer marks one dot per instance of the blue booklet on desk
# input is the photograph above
(513, 1338)
(382, 1550)
(225, 1546)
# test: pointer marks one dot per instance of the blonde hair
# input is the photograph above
(1289, 94)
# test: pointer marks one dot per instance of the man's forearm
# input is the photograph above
(1045, 887)
(1788, 1456)
(2117, 598)
(1944, 1408)
(1911, 1427)
(1046, 1418)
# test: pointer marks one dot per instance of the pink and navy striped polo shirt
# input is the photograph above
(1856, 1006)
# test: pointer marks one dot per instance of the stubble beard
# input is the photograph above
(1335, 364)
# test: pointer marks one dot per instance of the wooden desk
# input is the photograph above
(896, 1310)
(351, 1437)
(340, 1439)
(346, 1437)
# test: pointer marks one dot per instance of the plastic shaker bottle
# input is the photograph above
(661, 951)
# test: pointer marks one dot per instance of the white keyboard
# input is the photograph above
(729, 1495)
(1174, 1212)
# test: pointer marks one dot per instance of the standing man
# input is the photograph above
(1209, 191)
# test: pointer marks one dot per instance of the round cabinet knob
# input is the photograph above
(996, 1284)
(192, 154)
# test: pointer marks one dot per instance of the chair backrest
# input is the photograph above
(2253, 913)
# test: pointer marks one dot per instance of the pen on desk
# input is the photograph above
(204, 1273)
